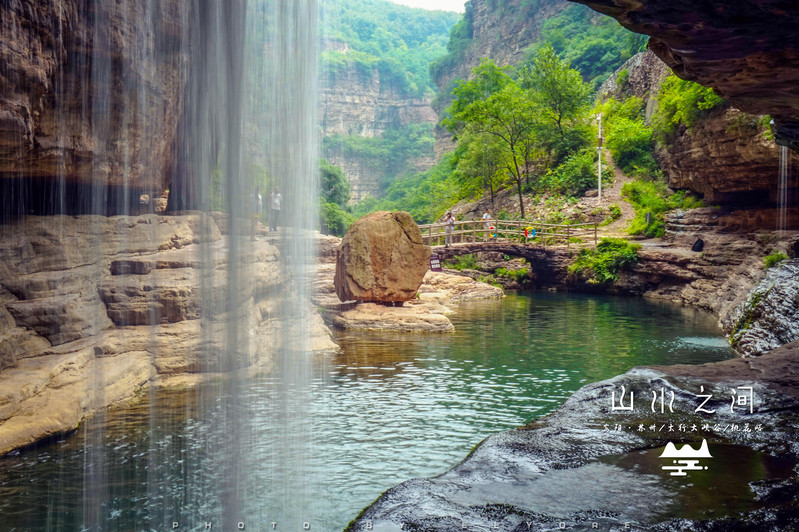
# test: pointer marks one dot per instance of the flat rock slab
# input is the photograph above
(413, 317)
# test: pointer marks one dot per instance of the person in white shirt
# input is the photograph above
(274, 206)
(450, 221)
(487, 223)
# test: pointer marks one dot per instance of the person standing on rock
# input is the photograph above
(487, 223)
(274, 207)
(257, 208)
(450, 221)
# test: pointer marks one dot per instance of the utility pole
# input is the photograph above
(599, 157)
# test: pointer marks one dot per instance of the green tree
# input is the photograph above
(487, 79)
(333, 183)
(334, 194)
(477, 167)
(558, 90)
(510, 117)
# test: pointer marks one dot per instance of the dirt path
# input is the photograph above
(610, 195)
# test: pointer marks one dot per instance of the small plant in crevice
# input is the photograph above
(773, 258)
(604, 262)
(614, 213)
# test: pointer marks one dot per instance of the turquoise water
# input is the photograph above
(389, 408)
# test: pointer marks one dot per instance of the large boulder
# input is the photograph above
(381, 258)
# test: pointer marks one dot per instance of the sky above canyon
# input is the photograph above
(443, 5)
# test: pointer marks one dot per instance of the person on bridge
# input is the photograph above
(450, 221)
(487, 223)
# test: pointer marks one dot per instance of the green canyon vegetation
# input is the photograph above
(525, 124)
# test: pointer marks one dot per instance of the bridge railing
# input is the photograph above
(540, 233)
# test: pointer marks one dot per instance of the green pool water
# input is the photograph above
(310, 447)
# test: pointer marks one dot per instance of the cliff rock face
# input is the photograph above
(90, 96)
(727, 156)
(645, 74)
(745, 50)
(501, 31)
(769, 317)
(366, 105)
(94, 308)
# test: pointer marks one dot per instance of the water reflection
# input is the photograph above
(386, 409)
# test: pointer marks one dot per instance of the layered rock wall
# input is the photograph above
(94, 308)
(88, 97)
(354, 102)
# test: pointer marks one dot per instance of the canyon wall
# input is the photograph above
(360, 103)
(94, 308)
(88, 97)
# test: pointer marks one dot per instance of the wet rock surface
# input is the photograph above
(769, 317)
(381, 258)
(587, 466)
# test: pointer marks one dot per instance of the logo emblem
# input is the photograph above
(684, 459)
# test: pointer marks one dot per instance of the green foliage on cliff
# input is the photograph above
(653, 198)
(773, 258)
(334, 214)
(397, 41)
(594, 44)
(604, 262)
(460, 36)
(388, 155)
(680, 104)
(627, 137)
(425, 195)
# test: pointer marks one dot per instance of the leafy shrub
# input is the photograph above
(462, 262)
(606, 260)
(520, 275)
(652, 197)
(574, 176)
(681, 103)
(627, 136)
(630, 144)
(773, 258)
(614, 213)
(334, 219)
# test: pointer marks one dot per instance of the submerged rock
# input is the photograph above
(381, 258)
(587, 466)
(769, 317)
